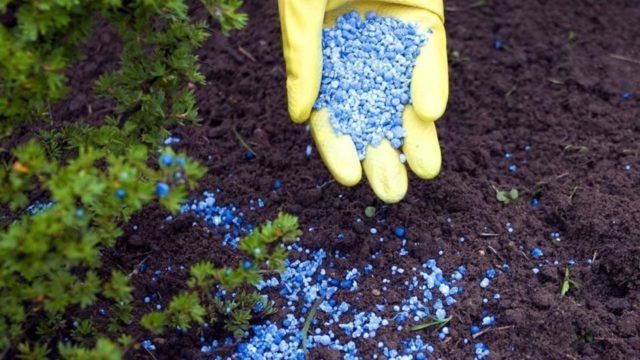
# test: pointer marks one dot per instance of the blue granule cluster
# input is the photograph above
(223, 219)
(311, 278)
(366, 77)
(148, 345)
(481, 351)
(37, 207)
(172, 140)
(340, 325)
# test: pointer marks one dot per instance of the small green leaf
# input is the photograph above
(118, 288)
(565, 287)
(502, 197)
(307, 324)
(513, 194)
(155, 322)
(370, 211)
(434, 322)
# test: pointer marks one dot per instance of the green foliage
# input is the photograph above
(158, 62)
(226, 12)
(122, 314)
(38, 252)
(199, 304)
(507, 197)
(184, 309)
(567, 282)
(96, 177)
(118, 289)
(104, 350)
(36, 351)
(155, 322)
(84, 332)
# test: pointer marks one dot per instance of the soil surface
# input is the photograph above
(551, 96)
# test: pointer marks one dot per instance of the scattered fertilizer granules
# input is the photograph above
(366, 77)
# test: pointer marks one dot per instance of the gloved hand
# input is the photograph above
(302, 22)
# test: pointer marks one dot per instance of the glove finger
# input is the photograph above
(338, 152)
(301, 25)
(421, 145)
(386, 174)
(430, 80)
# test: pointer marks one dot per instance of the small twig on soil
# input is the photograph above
(570, 357)
(574, 191)
(267, 271)
(624, 58)
(135, 270)
(476, 4)
(478, 334)
(488, 235)
(495, 253)
(242, 142)
(595, 255)
(635, 152)
(150, 353)
(613, 340)
(307, 325)
(562, 175)
(326, 183)
(555, 81)
(579, 149)
(511, 91)
(103, 110)
(246, 53)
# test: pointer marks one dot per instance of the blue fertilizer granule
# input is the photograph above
(366, 77)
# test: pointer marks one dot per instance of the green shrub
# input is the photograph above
(157, 61)
(95, 177)
(41, 255)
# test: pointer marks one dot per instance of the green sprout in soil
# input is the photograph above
(370, 211)
(585, 336)
(507, 197)
(568, 282)
(576, 149)
(307, 325)
(438, 324)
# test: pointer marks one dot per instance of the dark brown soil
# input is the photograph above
(554, 83)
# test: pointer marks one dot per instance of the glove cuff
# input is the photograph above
(434, 6)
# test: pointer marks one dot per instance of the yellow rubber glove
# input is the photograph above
(302, 22)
